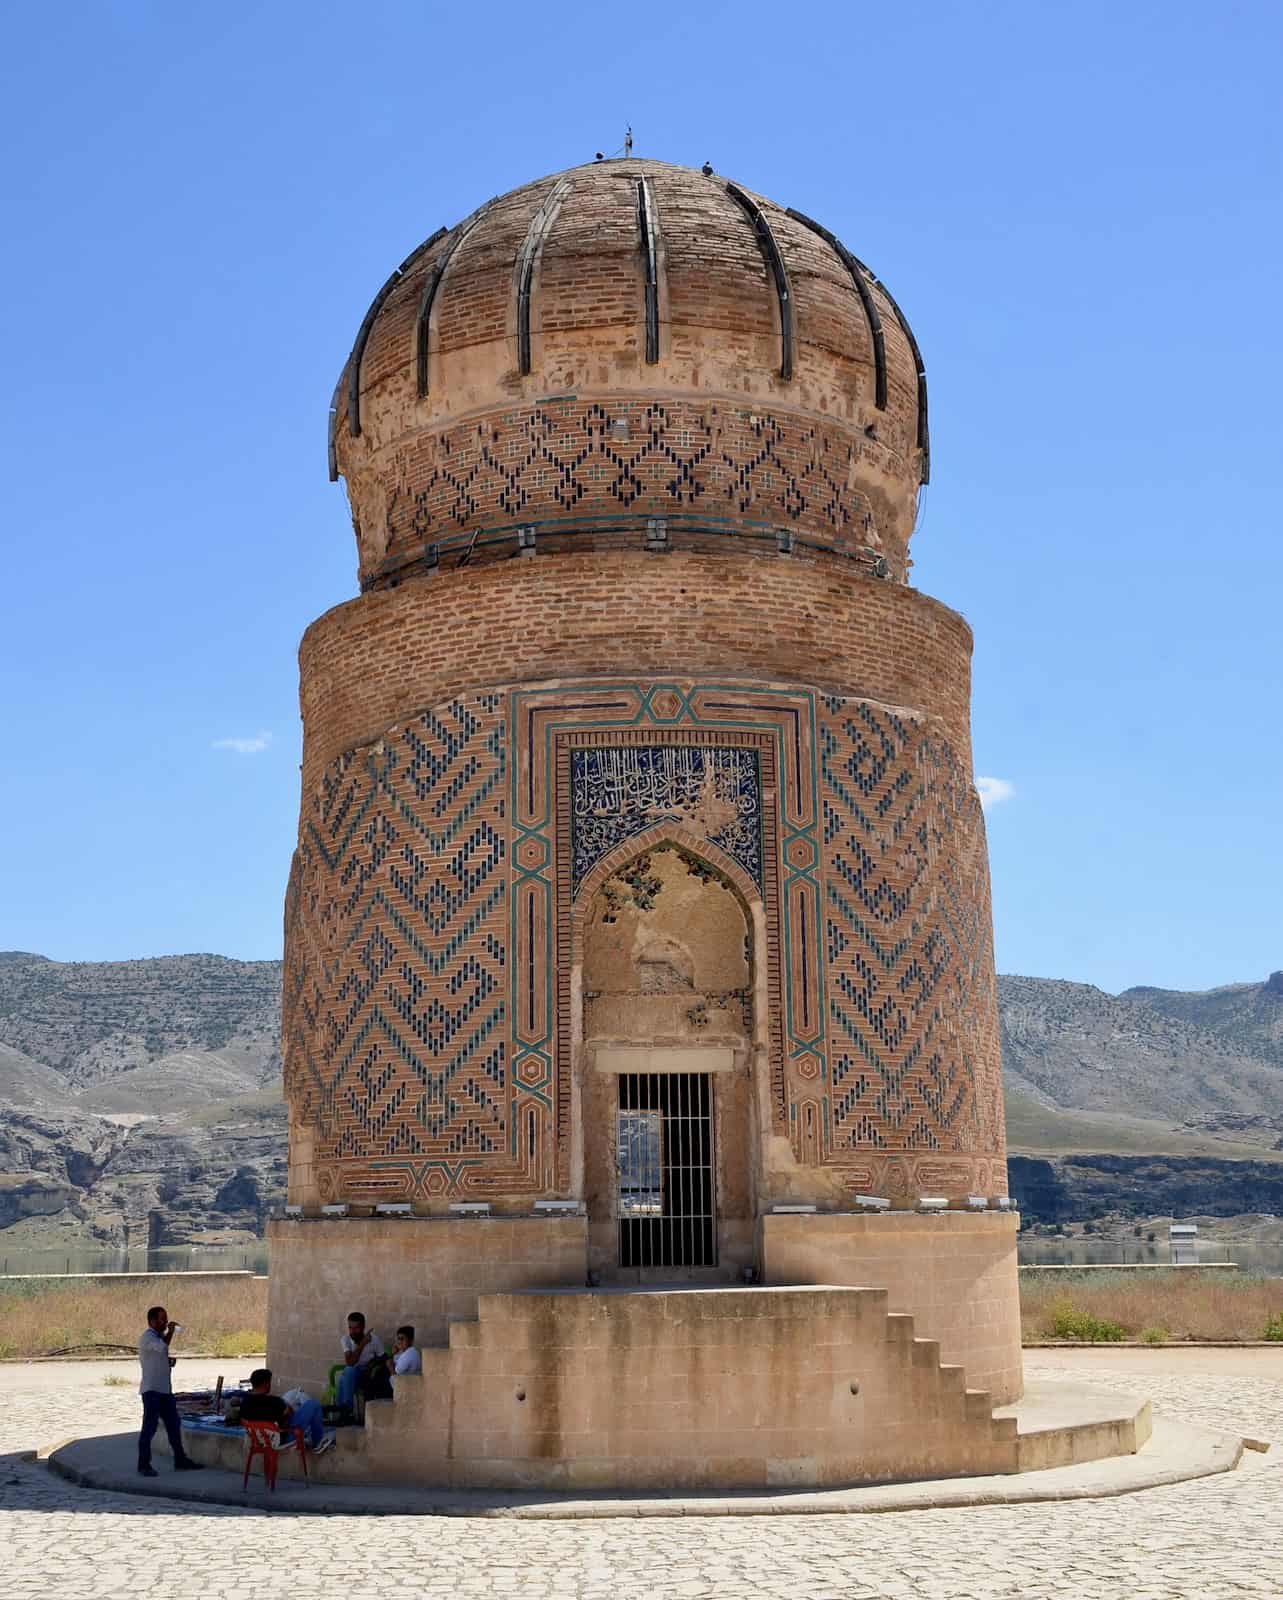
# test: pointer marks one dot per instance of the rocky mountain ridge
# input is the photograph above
(140, 1100)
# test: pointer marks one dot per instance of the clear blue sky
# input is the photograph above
(1078, 207)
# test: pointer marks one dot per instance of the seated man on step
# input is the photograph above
(359, 1345)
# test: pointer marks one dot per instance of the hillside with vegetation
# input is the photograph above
(140, 1101)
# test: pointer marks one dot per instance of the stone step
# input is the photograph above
(979, 1404)
(1065, 1424)
(899, 1326)
(926, 1353)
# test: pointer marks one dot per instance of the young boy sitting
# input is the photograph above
(405, 1358)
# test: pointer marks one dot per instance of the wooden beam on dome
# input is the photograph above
(332, 429)
(923, 436)
(871, 316)
(775, 262)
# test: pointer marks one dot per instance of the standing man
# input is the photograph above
(157, 1390)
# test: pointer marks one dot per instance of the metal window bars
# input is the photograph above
(667, 1215)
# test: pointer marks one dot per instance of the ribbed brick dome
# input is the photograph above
(640, 900)
(630, 354)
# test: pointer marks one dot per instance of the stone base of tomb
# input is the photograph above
(853, 1365)
(424, 1271)
(954, 1273)
(682, 1389)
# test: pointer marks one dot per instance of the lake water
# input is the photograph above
(169, 1258)
(1264, 1259)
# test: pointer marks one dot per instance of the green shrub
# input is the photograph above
(1067, 1322)
(1274, 1328)
(246, 1342)
(1153, 1336)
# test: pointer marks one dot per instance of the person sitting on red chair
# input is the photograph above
(261, 1405)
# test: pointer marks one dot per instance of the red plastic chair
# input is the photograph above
(262, 1440)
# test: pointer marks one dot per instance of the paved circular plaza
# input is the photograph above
(1214, 1537)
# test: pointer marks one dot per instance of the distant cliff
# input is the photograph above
(1150, 1053)
(1080, 1187)
(140, 1100)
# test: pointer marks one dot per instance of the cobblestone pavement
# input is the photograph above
(1217, 1537)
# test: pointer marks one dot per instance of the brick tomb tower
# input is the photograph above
(641, 893)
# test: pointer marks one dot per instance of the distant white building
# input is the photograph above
(1182, 1240)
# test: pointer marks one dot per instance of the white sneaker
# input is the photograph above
(325, 1444)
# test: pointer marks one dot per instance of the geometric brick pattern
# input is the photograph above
(913, 1057)
(396, 1048)
(570, 468)
(430, 931)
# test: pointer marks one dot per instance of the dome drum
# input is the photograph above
(615, 284)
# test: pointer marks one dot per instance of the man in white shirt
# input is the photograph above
(407, 1358)
(157, 1390)
(359, 1345)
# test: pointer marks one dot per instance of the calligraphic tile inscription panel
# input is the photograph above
(618, 791)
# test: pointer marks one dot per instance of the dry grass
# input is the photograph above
(1152, 1305)
(228, 1316)
(220, 1316)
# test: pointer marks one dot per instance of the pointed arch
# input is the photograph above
(663, 836)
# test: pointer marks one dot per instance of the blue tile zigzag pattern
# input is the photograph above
(396, 1022)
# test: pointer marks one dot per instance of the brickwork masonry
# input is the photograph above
(430, 1025)
(372, 662)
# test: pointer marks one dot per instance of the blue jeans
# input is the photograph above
(158, 1408)
(308, 1417)
(345, 1388)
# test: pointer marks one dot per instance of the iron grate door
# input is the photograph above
(667, 1215)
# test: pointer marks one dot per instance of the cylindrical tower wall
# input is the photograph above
(370, 662)
(638, 756)
(434, 883)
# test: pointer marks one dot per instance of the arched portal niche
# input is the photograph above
(669, 1025)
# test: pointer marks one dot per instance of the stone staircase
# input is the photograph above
(689, 1388)
(946, 1383)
